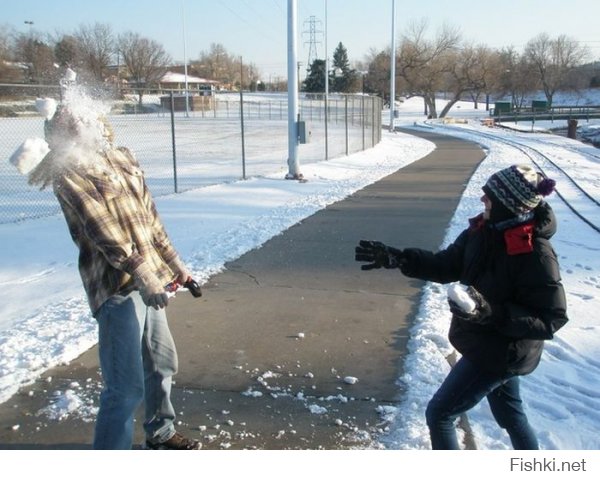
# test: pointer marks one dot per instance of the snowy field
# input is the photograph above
(44, 319)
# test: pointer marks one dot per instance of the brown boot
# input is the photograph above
(176, 442)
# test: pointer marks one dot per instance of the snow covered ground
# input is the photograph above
(562, 396)
(45, 318)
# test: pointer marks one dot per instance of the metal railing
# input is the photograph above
(561, 112)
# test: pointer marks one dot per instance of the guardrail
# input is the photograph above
(562, 112)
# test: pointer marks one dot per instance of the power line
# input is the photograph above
(255, 12)
(278, 6)
(262, 31)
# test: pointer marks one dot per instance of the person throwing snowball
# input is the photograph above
(510, 300)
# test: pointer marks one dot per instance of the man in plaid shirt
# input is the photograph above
(125, 260)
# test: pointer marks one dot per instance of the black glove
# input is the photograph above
(482, 314)
(378, 254)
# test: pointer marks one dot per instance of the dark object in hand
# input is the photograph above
(193, 286)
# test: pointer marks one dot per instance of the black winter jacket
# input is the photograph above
(517, 272)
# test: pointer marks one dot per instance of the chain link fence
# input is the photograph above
(204, 143)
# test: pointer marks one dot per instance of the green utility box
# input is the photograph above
(501, 108)
(539, 105)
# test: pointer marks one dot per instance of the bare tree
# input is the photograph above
(145, 59)
(6, 47)
(218, 64)
(377, 78)
(9, 72)
(484, 74)
(470, 70)
(250, 76)
(516, 76)
(554, 60)
(96, 46)
(424, 64)
(66, 51)
(38, 55)
(215, 64)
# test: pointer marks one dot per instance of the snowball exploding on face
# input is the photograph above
(29, 154)
(458, 294)
(79, 125)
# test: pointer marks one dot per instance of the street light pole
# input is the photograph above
(326, 89)
(293, 111)
(185, 72)
(326, 59)
(29, 51)
(393, 68)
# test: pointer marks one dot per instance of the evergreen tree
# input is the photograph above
(315, 80)
(342, 77)
(340, 58)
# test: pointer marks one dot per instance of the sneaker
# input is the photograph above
(176, 442)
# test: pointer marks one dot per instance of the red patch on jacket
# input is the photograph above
(519, 239)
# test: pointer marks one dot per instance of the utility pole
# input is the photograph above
(326, 88)
(242, 118)
(185, 72)
(292, 62)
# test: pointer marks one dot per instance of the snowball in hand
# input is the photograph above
(29, 154)
(458, 294)
(46, 107)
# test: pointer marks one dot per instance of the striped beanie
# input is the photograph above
(519, 188)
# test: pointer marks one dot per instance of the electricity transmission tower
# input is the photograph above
(312, 33)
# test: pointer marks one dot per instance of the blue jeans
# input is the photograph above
(137, 359)
(464, 387)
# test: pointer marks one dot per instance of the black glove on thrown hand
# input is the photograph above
(378, 255)
(481, 314)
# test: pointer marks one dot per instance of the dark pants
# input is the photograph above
(464, 387)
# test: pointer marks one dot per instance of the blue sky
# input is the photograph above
(257, 29)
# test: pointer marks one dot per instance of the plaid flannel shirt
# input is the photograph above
(113, 220)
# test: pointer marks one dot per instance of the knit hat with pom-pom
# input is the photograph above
(519, 188)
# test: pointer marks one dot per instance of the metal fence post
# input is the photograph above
(326, 132)
(362, 117)
(242, 127)
(372, 122)
(346, 120)
(242, 118)
(173, 141)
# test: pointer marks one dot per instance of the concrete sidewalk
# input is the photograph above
(264, 353)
